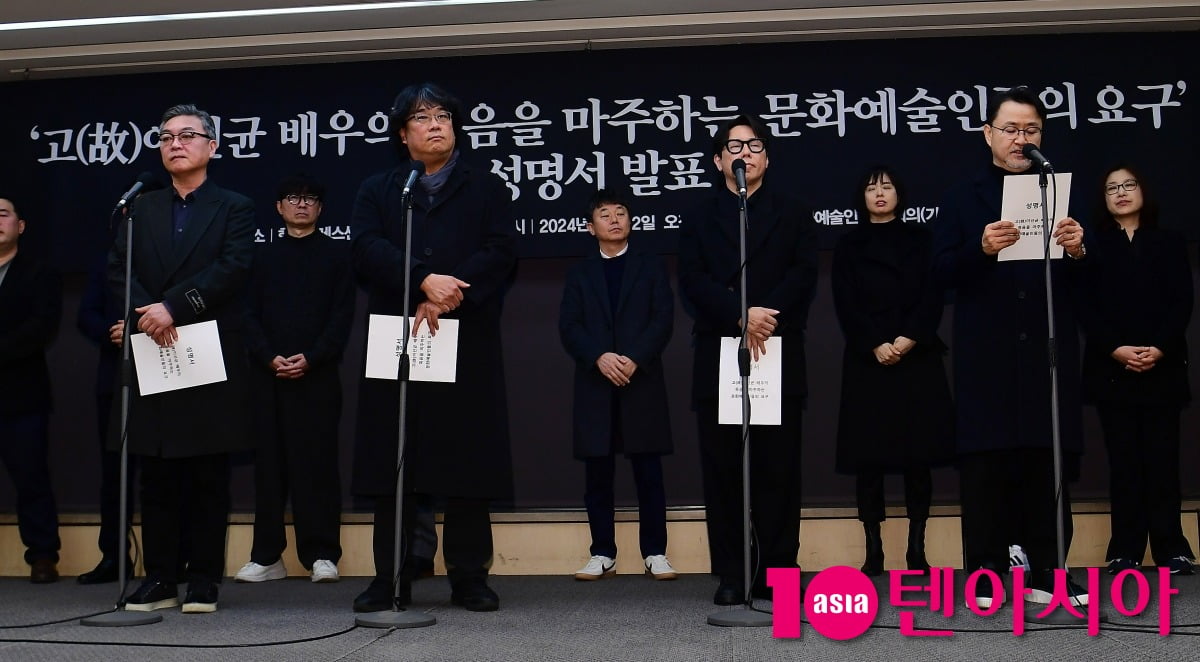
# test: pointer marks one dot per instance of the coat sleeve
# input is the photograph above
(490, 267)
(712, 302)
(34, 333)
(221, 281)
(921, 322)
(255, 335)
(579, 341)
(1177, 279)
(91, 318)
(138, 295)
(657, 332)
(862, 334)
(330, 344)
(379, 262)
(958, 257)
(794, 292)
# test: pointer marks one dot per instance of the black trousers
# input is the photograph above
(1008, 498)
(24, 448)
(466, 538)
(774, 492)
(110, 486)
(1143, 461)
(202, 508)
(652, 503)
(918, 493)
(299, 457)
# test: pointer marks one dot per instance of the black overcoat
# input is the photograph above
(1001, 358)
(1139, 293)
(201, 276)
(781, 274)
(640, 330)
(30, 311)
(897, 416)
(458, 441)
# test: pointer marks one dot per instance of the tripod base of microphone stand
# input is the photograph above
(1060, 615)
(744, 616)
(402, 619)
(121, 619)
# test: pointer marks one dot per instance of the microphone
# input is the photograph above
(418, 169)
(1032, 153)
(739, 174)
(145, 181)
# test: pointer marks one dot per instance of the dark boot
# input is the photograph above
(916, 545)
(873, 566)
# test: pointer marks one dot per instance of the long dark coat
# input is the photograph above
(1001, 364)
(201, 276)
(896, 416)
(640, 330)
(30, 311)
(1140, 293)
(458, 442)
(781, 274)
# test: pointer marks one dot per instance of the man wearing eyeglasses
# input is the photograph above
(1001, 371)
(192, 249)
(781, 269)
(301, 300)
(463, 258)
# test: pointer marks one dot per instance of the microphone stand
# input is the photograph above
(399, 617)
(1058, 616)
(747, 616)
(119, 617)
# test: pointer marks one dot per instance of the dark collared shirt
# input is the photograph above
(181, 213)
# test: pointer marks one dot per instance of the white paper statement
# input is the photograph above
(766, 385)
(1022, 204)
(194, 360)
(430, 358)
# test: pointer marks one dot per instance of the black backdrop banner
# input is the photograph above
(555, 126)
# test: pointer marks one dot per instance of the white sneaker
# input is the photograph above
(659, 567)
(1017, 558)
(253, 572)
(597, 567)
(324, 572)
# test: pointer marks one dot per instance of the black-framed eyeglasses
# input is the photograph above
(755, 145)
(1127, 185)
(295, 200)
(1012, 131)
(184, 137)
(441, 117)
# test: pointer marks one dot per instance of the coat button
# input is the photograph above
(1021, 336)
(428, 252)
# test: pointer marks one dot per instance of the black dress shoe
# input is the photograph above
(106, 571)
(151, 595)
(729, 593)
(379, 596)
(43, 571)
(201, 598)
(474, 595)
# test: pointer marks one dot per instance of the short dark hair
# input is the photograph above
(4, 195)
(1020, 94)
(1147, 218)
(206, 120)
(300, 183)
(871, 176)
(606, 196)
(756, 125)
(416, 96)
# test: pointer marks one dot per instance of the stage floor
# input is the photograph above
(551, 618)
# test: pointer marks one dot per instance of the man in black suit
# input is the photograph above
(615, 321)
(192, 249)
(781, 271)
(30, 308)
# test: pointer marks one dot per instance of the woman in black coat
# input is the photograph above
(1135, 370)
(896, 415)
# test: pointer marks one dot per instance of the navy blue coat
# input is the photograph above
(781, 274)
(640, 330)
(201, 276)
(458, 433)
(999, 348)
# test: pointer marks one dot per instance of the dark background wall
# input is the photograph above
(67, 202)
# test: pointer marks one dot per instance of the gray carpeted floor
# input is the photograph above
(543, 619)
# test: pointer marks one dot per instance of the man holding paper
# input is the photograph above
(463, 255)
(192, 249)
(1001, 369)
(781, 273)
